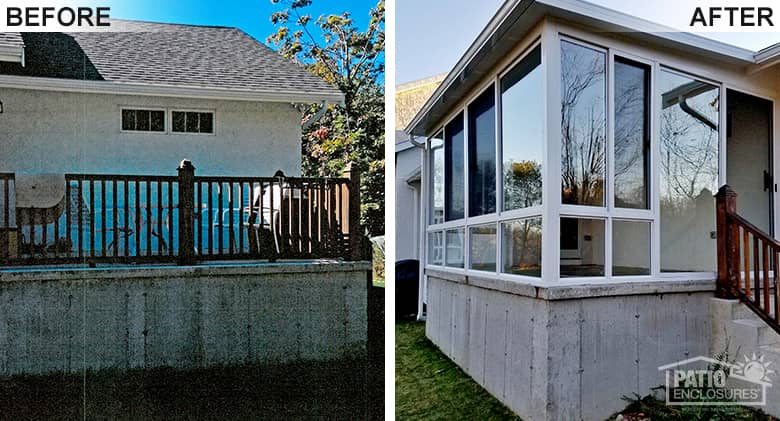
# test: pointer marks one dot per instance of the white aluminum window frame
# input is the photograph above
(124, 108)
(551, 210)
(194, 110)
(500, 216)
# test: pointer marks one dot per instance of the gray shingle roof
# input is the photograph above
(166, 54)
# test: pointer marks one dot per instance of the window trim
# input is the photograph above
(194, 110)
(123, 108)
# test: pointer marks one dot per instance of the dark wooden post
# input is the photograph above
(355, 234)
(186, 213)
(728, 252)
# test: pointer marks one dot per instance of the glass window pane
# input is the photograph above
(583, 124)
(128, 119)
(522, 135)
(586, 255)
(158, 121)
(632, 134)
(522, 247)
(482, 154)
(688, 172)
(206, 122)
(178, 121)
(454, 201)
(630, 248)
(482, 248)
(192, 122)
(454, 252)
(142, 120)
(436, 248)
(437, 180)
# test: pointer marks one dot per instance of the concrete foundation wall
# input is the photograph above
(566, 352)
(68, 321)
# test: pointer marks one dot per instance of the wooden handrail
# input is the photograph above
(186, 218)
(738, 241)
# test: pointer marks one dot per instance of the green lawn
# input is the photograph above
(428, 386)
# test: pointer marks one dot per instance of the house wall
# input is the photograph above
(407, 205)
(61, 132)
(76, 320)
(566, 353)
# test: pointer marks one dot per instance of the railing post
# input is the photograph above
(186, 213)
(355, 235)
(728, 252)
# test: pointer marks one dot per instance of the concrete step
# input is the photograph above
(754, 332)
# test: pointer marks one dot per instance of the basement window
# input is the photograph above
(134, 120)
(192, 122)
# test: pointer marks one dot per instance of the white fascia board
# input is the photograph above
(597, 16)
(770, 53)
(118, 88)
(631, 23)
(12, 54)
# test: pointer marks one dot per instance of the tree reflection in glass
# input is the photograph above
(689, 172)
(583, 124)
(632, 134)
(522, 139)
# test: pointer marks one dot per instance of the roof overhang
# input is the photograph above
(516, 18)
(118, 88)
(12, 53)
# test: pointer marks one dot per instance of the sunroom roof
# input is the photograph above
(515, 17)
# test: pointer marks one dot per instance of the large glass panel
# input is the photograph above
(437, 180)
(454, 244)
(585, 257)
(583, 124)
(522, 247)
(436, 248)
(688, 172)
(632, 134)
(522, 136)
(454, 180)
(482, 154)
(482, 248)
(630, 248)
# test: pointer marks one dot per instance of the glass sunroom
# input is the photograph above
(578, 161)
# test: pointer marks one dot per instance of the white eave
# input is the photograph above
(515, 17)
(12, 53)
(120, 88)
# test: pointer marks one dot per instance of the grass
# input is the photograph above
(428, 386)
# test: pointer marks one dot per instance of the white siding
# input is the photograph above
(61, 132)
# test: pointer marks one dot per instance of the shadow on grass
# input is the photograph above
(311, 390)
(428, 386)
(347, 389)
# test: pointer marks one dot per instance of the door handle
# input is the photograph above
(768, 181)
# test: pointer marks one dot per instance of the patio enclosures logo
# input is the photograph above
(704, 381)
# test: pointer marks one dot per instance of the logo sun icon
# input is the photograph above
(754, 369)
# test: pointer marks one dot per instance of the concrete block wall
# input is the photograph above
(566, 352)
(71, 320)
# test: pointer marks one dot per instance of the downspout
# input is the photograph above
(695, 114)
(317, 116)
(415, 143)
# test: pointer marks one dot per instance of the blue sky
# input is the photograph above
(432, 35)
(252, 16)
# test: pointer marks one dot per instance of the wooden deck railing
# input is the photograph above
(748, 261)
(184, 219)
